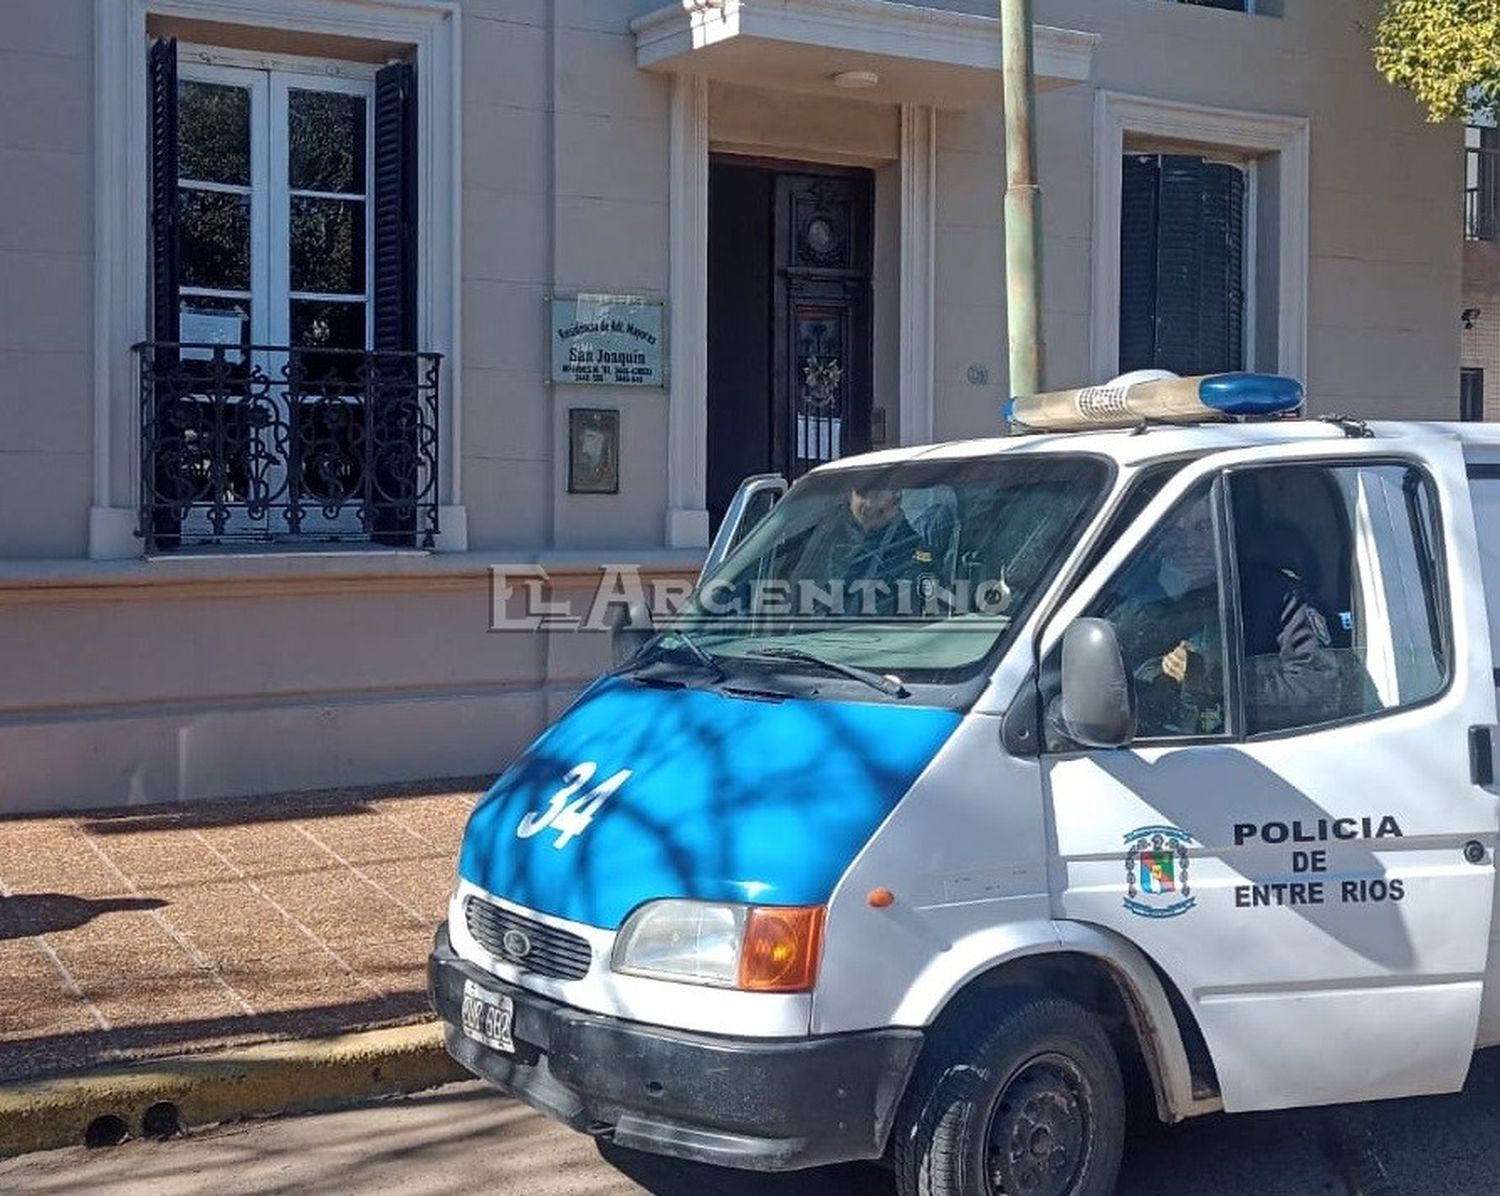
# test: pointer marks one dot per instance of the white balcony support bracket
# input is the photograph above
(687, 381)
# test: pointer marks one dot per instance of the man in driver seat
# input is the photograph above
(886, 565)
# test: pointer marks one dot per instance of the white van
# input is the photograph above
(978, 780)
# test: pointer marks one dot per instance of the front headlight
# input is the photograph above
(753, 947)
(682, 940)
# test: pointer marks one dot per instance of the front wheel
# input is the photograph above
(1021, 1100)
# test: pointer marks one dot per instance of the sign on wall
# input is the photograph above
(607, 340)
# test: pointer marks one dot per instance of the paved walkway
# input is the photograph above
(162, 930)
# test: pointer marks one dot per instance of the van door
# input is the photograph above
(1294, 835)
(751, 503)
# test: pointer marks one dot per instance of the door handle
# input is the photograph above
(1481, 756)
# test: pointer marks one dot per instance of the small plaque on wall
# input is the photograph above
(593, 450)
(606, 340)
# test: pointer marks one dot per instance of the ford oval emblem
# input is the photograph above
(516, 944)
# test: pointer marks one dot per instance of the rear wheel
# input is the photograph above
(1023, 1100)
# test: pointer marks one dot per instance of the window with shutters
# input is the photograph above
(284, 400)
(1183, 231)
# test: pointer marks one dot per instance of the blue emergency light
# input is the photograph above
(1158, 396)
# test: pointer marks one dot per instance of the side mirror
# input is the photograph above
(630, 630)
(1098, 699)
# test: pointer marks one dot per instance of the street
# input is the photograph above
(464, 1139)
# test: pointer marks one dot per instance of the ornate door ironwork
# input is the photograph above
(821, 384)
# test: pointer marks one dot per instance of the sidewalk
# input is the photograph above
(134, 934)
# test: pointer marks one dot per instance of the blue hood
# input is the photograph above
(726, 799)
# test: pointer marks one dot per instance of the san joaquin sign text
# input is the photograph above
(607, 340)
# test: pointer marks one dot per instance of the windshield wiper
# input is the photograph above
(890, 686)
(698, 652)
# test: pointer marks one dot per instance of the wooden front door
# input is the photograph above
(789, 327)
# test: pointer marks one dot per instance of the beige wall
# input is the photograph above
(127, 683)
(46, 280)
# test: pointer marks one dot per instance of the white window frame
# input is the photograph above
(270, 84)
(122, 276)
(1119, 117)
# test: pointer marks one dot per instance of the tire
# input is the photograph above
(1020, 1099)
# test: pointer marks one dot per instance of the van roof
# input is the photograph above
(1131, 447)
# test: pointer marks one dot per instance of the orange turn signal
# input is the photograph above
(781, 948)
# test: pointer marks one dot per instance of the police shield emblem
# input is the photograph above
(1156, 872)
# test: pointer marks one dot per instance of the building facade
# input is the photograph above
(1479, 381)
(315, 312)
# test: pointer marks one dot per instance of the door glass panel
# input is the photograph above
(821, 381)
(1339, 591)
(1165, 606)
(326, 136)
(214, 239)
(213, 131)
(328, 246)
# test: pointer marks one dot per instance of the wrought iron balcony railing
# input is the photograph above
(275, 445)
(1482, 194)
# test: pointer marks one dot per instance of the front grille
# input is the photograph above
(556, 953)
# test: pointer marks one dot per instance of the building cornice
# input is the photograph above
(881, 27)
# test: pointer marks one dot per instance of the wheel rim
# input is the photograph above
(1039, 1130)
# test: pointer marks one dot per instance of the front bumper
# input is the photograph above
(761, 1104)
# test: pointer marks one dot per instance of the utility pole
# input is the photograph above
(1023, 202)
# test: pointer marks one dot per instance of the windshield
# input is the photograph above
(916, 569)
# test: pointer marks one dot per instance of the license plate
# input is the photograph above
(487, 1017)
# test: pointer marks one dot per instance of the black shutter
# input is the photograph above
(1235, 267)
(1182, 264)
(1138, 194)
(393, 418)
(164, 253)
(395, 239)
(163, 416)
(1179, 263)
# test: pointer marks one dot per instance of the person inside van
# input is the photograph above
(886, 565)
(1167, 613)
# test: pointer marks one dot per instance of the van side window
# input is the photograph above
(1339, 594)
(1166, 605)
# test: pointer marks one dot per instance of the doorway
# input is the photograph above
(790, 347)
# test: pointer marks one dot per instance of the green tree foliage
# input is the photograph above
(1445, 52)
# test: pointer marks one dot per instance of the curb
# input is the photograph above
(269, 1078)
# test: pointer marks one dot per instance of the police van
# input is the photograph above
(978, 785)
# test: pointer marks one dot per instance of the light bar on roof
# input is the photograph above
(1157, 396)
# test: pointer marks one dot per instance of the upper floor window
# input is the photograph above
(283, 399)
(273, 208)
(1481, 183)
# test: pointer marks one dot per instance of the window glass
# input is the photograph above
(328, 245)
(1339, 595)
(213, 130)
(1165, 606)
(918, 568)
(326, 141)
(214, 231)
